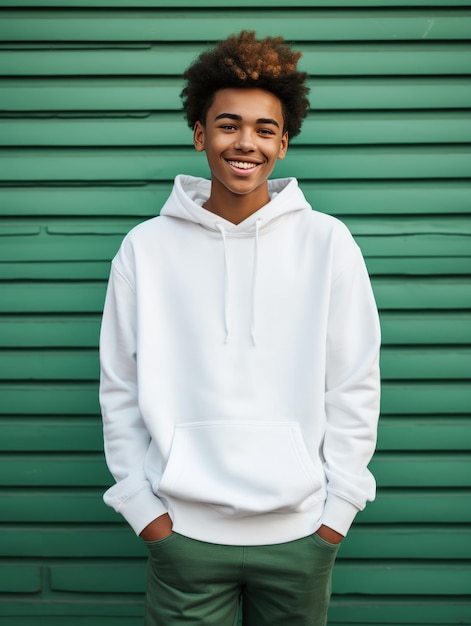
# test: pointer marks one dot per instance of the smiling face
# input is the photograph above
(243, 138)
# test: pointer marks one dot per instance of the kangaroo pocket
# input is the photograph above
(242, 468)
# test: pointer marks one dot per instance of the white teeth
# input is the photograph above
(242, 165)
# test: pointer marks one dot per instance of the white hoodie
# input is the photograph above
(240, 383)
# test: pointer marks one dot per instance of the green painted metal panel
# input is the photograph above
(203, 25)
(49, 399)
(368, 542)
(416, 579)
(320, 60)
(126, 609)
(53, 245)
(142, 94)
(398, 363)
(50, 331)
(389, 197)
(134, 199)
(418, 363)
(364, 611)
(407, 266)
(99, 241)
(422, 470)
(441, 432)
(80, 470)
(422, 293)
(350, 578)
(25, 365)
(219, 4)
(89, 470)
(91, 136)
(74, 620)
(20, 579)
(391, 294)
(58, 505)
(84, 434)
(167, 129)
(54, 297)
(367, 610)
(67, 270)
(72, 541)
(164, 164)
(341, 198)
(429, 505)
(96, 246)
(102, 579)
(426, 328)
(99, 270)
(367, 226)
(423, 398)
(74, 434)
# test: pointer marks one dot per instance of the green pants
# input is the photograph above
(192, 582)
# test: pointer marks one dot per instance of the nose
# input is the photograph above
(245, 141)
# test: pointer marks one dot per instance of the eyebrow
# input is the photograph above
(238, 118)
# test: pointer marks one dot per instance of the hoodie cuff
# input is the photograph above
(141, 510)
(338, 514)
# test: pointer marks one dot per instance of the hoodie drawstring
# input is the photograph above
(227, 321)
(226, 284)
(254, 282)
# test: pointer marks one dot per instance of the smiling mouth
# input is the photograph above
(243, 165)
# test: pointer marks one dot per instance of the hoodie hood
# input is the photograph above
(190, 193)
(186, 203)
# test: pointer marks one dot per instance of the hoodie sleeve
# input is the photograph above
(125, 434)
(352, 393)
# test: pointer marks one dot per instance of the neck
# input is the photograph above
(233, 207)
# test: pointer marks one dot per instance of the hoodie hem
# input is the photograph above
(203, 523)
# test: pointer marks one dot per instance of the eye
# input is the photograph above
(228, 127)
(266, 131)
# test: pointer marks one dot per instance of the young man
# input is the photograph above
(239, 352)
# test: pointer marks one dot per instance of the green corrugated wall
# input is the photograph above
(90, 139)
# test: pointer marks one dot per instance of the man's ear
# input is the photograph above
(283, 146)
(198, 136)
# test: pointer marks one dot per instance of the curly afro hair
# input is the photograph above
(241, 61)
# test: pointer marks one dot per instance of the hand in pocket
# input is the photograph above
(158, 529)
